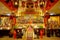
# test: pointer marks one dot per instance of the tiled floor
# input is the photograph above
(44, 38)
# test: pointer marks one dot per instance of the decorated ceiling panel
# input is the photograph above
(4, 9)
(49, 5)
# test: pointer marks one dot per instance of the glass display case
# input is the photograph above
(5, 23)
(5, 26)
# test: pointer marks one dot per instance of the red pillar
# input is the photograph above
(14, 34)
(41, 33)
(46, 17)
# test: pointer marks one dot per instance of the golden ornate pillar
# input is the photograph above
(59, 20)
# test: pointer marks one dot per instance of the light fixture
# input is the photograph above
(1, 28)
(8, 14)
(16, 3)
(8, 28)
(20, 27)
(42, 3)
(51, 13)
(34, 0)
(24, 0)
(46, 11)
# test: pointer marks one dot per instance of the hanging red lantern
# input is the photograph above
(36, 4)
(23, 4)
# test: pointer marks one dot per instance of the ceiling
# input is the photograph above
(4, 9)
(55, 8)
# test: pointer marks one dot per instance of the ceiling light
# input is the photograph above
(16, 3)
(46, 11)
(19, 27)
(34, 0)
(51, 13)
(1, 28)
(8, 28)
(8, 14)
(24, 0)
